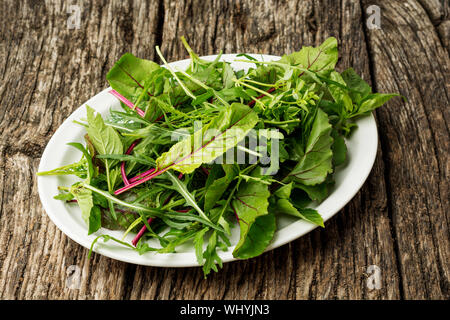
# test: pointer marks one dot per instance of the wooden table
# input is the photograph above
(399, 221)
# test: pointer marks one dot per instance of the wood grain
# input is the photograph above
(398, 221)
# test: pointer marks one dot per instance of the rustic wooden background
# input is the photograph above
(399, 220)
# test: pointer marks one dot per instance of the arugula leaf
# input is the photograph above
(251, 201)
(225, 131)
(211, 256)
(179, 186)
(315, 163)
(198, 245)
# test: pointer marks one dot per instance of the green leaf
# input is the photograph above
(95, 219)
(219, 186)
(317, 192)
(179, 186)
(360, 88)
(88, 157)
(211, 256)
(340, 95)
(198, 245)
(339, 149)
(258, 237)
(84, 200)
(251, 201)
(127, 76)
(315, 164)
(311, 215)
(225, 131)
(284, 192)
(321, 60)
(373, 101)
(64, 196)
(105, 139)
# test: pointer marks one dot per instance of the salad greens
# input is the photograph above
(193, 152)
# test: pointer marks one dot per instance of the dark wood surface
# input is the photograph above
(399, 221)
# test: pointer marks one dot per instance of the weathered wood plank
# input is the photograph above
(408, 58)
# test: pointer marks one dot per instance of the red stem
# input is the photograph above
(139, 176)
(141, 232)
(122, 166)
(127, 102)
(252, 103)
(144, 228)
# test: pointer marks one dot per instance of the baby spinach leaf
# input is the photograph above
(127, 76)
(315, 164)
(258, 237)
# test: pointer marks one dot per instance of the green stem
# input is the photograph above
(282, 122)
(188, 92)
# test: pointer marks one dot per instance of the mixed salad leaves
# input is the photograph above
(156, 168)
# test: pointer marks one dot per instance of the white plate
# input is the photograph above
(362, 148)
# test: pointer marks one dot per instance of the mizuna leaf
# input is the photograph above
(251, 201)
(315, 164)
(225, 131)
